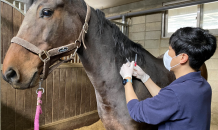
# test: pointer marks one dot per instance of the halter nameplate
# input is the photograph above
(64, 49)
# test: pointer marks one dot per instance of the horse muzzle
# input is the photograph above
(12, 76)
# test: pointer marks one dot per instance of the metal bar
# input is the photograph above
(166, 24)
(127, 28)
(120, 23)
(163, 25)
(20, 5)
(123, 21)
(25, 9)
(133, 14)
(201, 15)
(198, 17)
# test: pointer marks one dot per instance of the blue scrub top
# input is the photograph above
(183, 105)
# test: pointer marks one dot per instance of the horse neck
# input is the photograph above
(100, 60)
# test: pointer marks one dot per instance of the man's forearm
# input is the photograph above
(152, 87)
(129, 92)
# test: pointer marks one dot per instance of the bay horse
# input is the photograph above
(107, 49)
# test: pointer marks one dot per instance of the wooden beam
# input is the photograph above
(73, 122)
(71, 65)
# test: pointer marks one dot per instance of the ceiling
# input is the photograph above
(102, 4)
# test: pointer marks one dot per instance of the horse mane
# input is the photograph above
(125, 48)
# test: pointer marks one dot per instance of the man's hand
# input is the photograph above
(127, 70)
(151, 86)
(140, 74)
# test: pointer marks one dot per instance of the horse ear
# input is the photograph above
(60, 2)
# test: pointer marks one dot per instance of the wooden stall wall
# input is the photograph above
(68, 102)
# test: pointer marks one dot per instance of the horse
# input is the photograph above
(53, 23)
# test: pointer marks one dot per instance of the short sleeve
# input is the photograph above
(156, 109)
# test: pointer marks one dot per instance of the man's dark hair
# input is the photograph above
(197, 43)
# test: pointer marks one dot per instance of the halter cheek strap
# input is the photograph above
(48, 68)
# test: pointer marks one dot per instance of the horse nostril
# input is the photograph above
(11, 75)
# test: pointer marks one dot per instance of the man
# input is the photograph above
(186, 103)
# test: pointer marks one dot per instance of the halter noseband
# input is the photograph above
(48, 68)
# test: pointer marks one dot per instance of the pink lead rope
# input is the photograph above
(38, 107)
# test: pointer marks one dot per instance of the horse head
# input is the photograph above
(48, 24)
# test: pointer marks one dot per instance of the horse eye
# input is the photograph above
(47, 12)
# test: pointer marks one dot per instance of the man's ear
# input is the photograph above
(184, 58)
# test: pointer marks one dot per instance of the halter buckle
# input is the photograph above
(40, 87)
(73, 55)
(77, 41)
(85, 27)
(46, 54)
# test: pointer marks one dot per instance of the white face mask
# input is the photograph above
(167, 60)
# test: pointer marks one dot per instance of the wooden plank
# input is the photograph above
(1, 46)
(33, 104)
(68, 98)
(4, 116)
(87, 100)
(82, 80)
(56, 84)
(62, 94)
(49, 97)
(94, 100)
(2, 5)
(42, 116)
(17, 20)
(78, 91)
(19, 118)
(73, 78)
(70, 65)
(73, 122)
(93, 103)
(10, 106)
(7, 27)
(85, 93)
(28, 108)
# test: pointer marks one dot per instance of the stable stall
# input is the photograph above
(69, 101)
